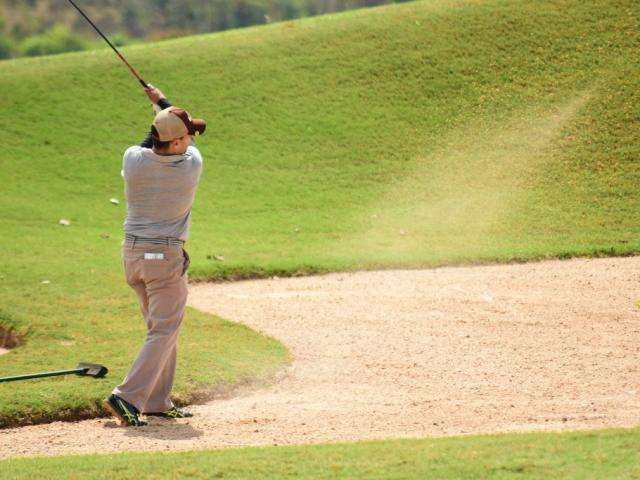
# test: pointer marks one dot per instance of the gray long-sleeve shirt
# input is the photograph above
(160, 190)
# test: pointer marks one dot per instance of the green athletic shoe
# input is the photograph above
(123, 410)
(173, 412)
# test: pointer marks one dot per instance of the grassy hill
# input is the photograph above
(428, 133)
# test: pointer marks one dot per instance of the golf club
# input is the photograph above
(83, 369)
(133, 70)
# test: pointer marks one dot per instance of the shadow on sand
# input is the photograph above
(160, 429)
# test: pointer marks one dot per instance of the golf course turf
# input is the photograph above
(422, 134)
(607, 454)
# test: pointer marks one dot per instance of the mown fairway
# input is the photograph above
(607, 454)
(429, 133)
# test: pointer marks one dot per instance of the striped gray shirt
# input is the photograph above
(160, 190)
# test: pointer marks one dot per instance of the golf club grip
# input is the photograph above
(143, 83)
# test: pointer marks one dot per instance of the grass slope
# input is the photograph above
(421, 134)
(607, 454)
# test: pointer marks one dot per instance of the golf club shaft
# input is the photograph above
(133, 70)
(42, 374)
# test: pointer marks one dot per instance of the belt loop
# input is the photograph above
(134, 242)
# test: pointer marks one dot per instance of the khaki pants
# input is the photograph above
(161, 286)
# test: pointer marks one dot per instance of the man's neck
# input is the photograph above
(166, 153)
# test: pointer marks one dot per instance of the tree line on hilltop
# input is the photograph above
(41, 27)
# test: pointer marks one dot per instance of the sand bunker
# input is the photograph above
(388, 354)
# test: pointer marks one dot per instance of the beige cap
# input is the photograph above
(175, 122)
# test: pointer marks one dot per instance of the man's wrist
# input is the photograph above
(164, 103)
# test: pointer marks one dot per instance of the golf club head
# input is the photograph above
(92, 369)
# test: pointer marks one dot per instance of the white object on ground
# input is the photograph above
(64, 222)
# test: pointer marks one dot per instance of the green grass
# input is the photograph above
(214, 356)
(586, 455)
(421, 134)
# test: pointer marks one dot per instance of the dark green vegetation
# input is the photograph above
(58, 39)
(29, 28)
(606, 454)
(430, 133)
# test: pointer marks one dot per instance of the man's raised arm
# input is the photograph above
(159, 102)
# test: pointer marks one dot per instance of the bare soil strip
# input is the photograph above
(542, 346)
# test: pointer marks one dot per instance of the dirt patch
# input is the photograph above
(529, 347)
(9, 339)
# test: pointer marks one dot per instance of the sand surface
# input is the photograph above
(389, 354)
(3, 350)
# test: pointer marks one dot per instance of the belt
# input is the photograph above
(134, 239)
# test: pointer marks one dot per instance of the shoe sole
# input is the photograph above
(162, 415)
(107, 405)
(123, 422)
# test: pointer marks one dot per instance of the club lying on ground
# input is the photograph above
(83, 369)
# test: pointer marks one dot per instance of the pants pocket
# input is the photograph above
(158, 269)
(129, 271)
(186, 262)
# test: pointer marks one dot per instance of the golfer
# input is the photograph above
(160, 176)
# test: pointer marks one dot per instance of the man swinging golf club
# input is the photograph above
(160, 176)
